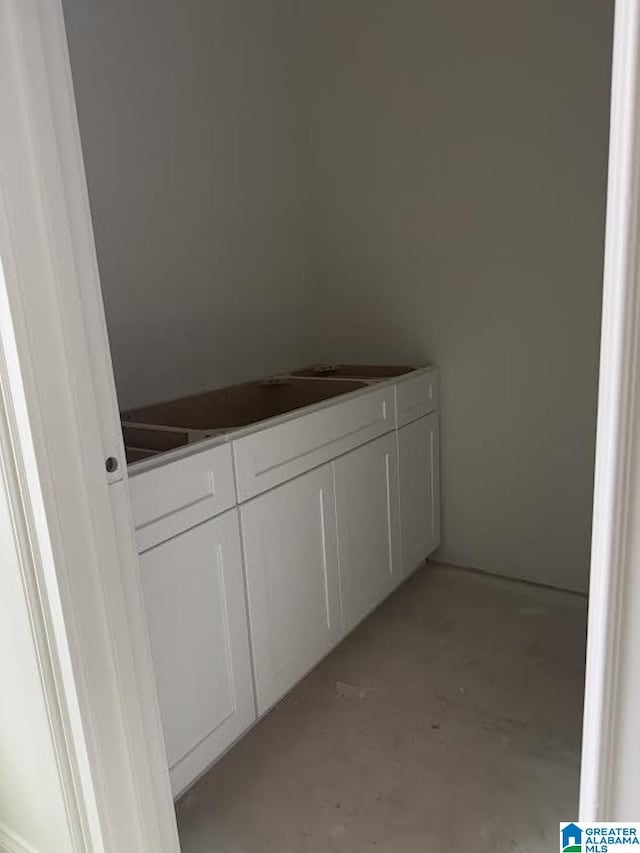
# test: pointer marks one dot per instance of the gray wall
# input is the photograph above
(273, 182)
(459, 197)
(189, 120)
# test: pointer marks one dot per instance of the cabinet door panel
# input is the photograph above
(292, 580)
(368, 527)
(418, 455)
(197, 621)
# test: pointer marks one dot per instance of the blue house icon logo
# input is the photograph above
(571, 838)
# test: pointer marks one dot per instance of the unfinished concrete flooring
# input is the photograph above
(448, 721)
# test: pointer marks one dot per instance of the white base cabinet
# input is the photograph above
(337, 506)
(419, 479)
(291, 567)
(197, 623)
(368, 527)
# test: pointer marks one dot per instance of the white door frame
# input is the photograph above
(611, 746)
(61, 414)
(59, 405)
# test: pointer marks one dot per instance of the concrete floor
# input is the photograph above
(462, 733)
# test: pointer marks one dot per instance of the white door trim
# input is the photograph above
(37, 575)
(614, 556)
(77, 545)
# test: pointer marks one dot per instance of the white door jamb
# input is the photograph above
(61, 416)
(611, 749)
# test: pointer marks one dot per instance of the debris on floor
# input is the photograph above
(350, 691)
(443, 703)
(502, 725)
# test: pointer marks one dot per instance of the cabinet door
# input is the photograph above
(368, 527)
(197, 621)
(418, 455)
(292, 580)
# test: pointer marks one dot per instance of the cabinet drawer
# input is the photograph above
(272, 456)
(176, 496)
(417, 397)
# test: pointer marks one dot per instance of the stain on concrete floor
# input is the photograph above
(461, 732)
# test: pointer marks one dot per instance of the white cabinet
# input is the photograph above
(419, 477)
(337, 506)
(292, 580)
(368, 527)
(196, 616)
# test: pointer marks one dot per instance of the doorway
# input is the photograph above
(351, 209)
(435, 730)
